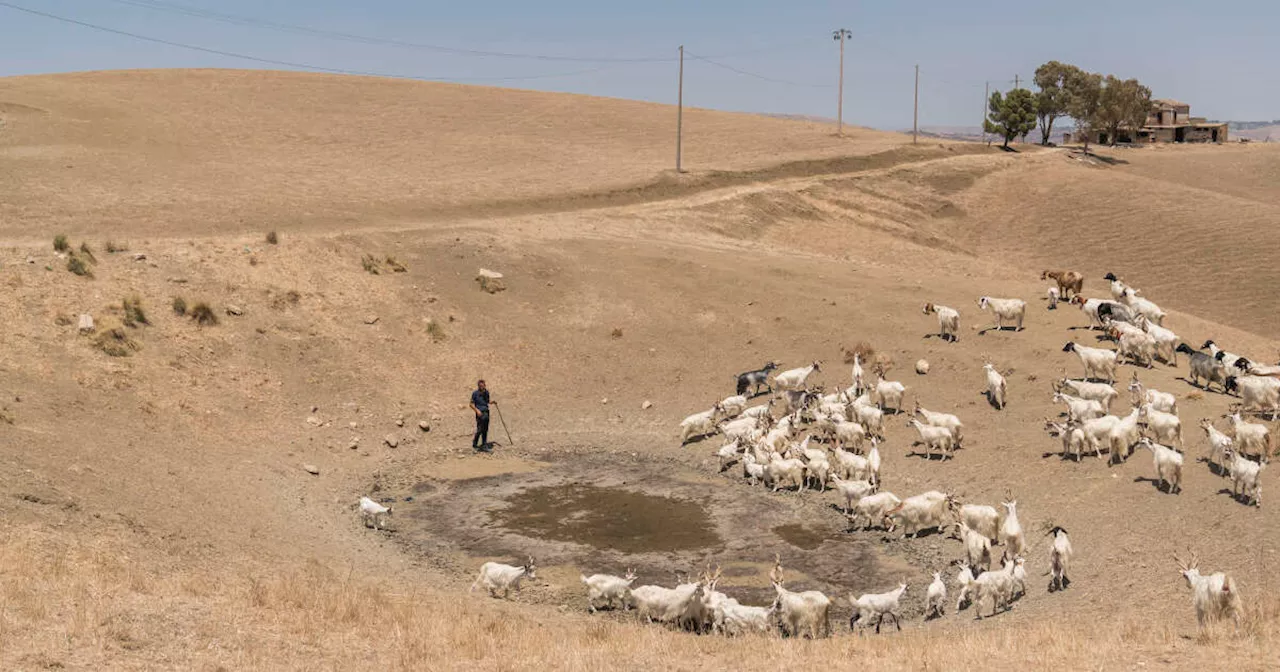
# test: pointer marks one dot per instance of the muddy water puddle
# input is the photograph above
(608, 518)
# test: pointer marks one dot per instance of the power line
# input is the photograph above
(272, 61)
(755, 75)
(366, 39)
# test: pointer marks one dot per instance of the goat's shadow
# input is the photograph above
(983, 332)
(945, 339)
(1155, 483)
(1241, 498)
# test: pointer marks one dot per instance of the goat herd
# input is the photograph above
(839, 449)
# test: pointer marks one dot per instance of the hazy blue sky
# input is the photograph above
(1219, 58)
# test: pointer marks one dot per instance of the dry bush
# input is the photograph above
(616, 333)
(133, 312)
(862, 349)
(272, 238)
(203, 314)
(112, 247)
(289, 298)
(76, 265)
(88, 253)
(60, 243)
(395, 266)
(179, 306)
(63, 320)
(370, 264)
(114, 340)
(435, 331)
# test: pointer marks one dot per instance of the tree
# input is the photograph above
(1084, 94)
(1051, 101)
(1011, 116)
(1122, 104)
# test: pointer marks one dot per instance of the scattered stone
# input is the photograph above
(353, 424)
(314, 421)
(424, 426)
(86, 323)
(139, 257)
(311, 469)
(178, 281)
(400, 422)
(646, 405)
(234, 310)
(371, 319)
(31, 260)
(922, 367)
(355, 443)
(605, 400)
(392, 441)
(315, 409)
(490, 281)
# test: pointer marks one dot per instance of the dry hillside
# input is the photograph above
(157, 514)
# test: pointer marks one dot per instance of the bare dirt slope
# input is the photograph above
(157, 514)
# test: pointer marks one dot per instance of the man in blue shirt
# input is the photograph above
(480, 404)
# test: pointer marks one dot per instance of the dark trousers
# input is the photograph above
(482, 431)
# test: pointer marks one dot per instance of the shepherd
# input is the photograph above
(480, 405)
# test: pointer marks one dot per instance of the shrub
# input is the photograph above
(435, 331)
(272, 238)
(862, 349)
(179, 306)
(88, 252)
(203, 314)
(370, 264)
(60, 243)
(114, 341)
(616, 333)
(113, 247)
(76, 265)
(63, 320)
(395, 266)
(289, 298)
(133, 313)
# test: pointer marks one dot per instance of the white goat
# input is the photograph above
(851, 491)
(1005, 310)
(1073, 438)
(877, 606)
(1260, 394)
(1124, 436)
(849, 465)
(1168, 463)
(1099, 392)
(794, 379)
(873, 461)
(1161, 401)
(780, 471)
(372, 513)
(1097, 431)
(1139, 348)
(699, 424)
(1219, 444)
(939, 438)
(947, 420)
(858, 385)
(1144, 307)
(867, 415)
(995, 585)
(921, 512)
(1059, 559)
(495, 576)
(1166, 340)
(935, 598)
(1099, 363)
(1090, 308)
(1011, 530)
(668, 605)
(875, 508)
(1215, 596)
(1079, 409)
(983, 519)
(995, 386)
(764, 410)
(1053, 298)
(948, 320)
(965, 582)
(728, 453)
(850, 434)
(608, 591)
(1250, 436)
(752, 469)
(1165, 427)
(977, 547)
(1246, 477)
(802, 613)
(888, 393)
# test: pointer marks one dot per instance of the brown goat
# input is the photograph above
(1068, 281)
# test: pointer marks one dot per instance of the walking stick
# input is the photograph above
(504, 425)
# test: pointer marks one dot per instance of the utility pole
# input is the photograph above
(680, 109)
(915, 111)
(986, 96)
(1015, 81)
(840, 35)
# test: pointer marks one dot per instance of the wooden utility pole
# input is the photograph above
(915, 111)
(840, 35)
(1015, 81)
(680, 109)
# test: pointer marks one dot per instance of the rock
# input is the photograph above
(424, 426)
(31, 260)
(490, 281)
(646, 405)
(355, 443)
(399, 422)
(605, 400)
(139, 257)
(371, 319)
(178, 281)
(315, 409)
(314, 421)
(353, 425)
(311, 469)
(86, 323)
(922, 367)
(234, 310)
(391, 441)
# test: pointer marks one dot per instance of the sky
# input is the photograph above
(743, 55)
